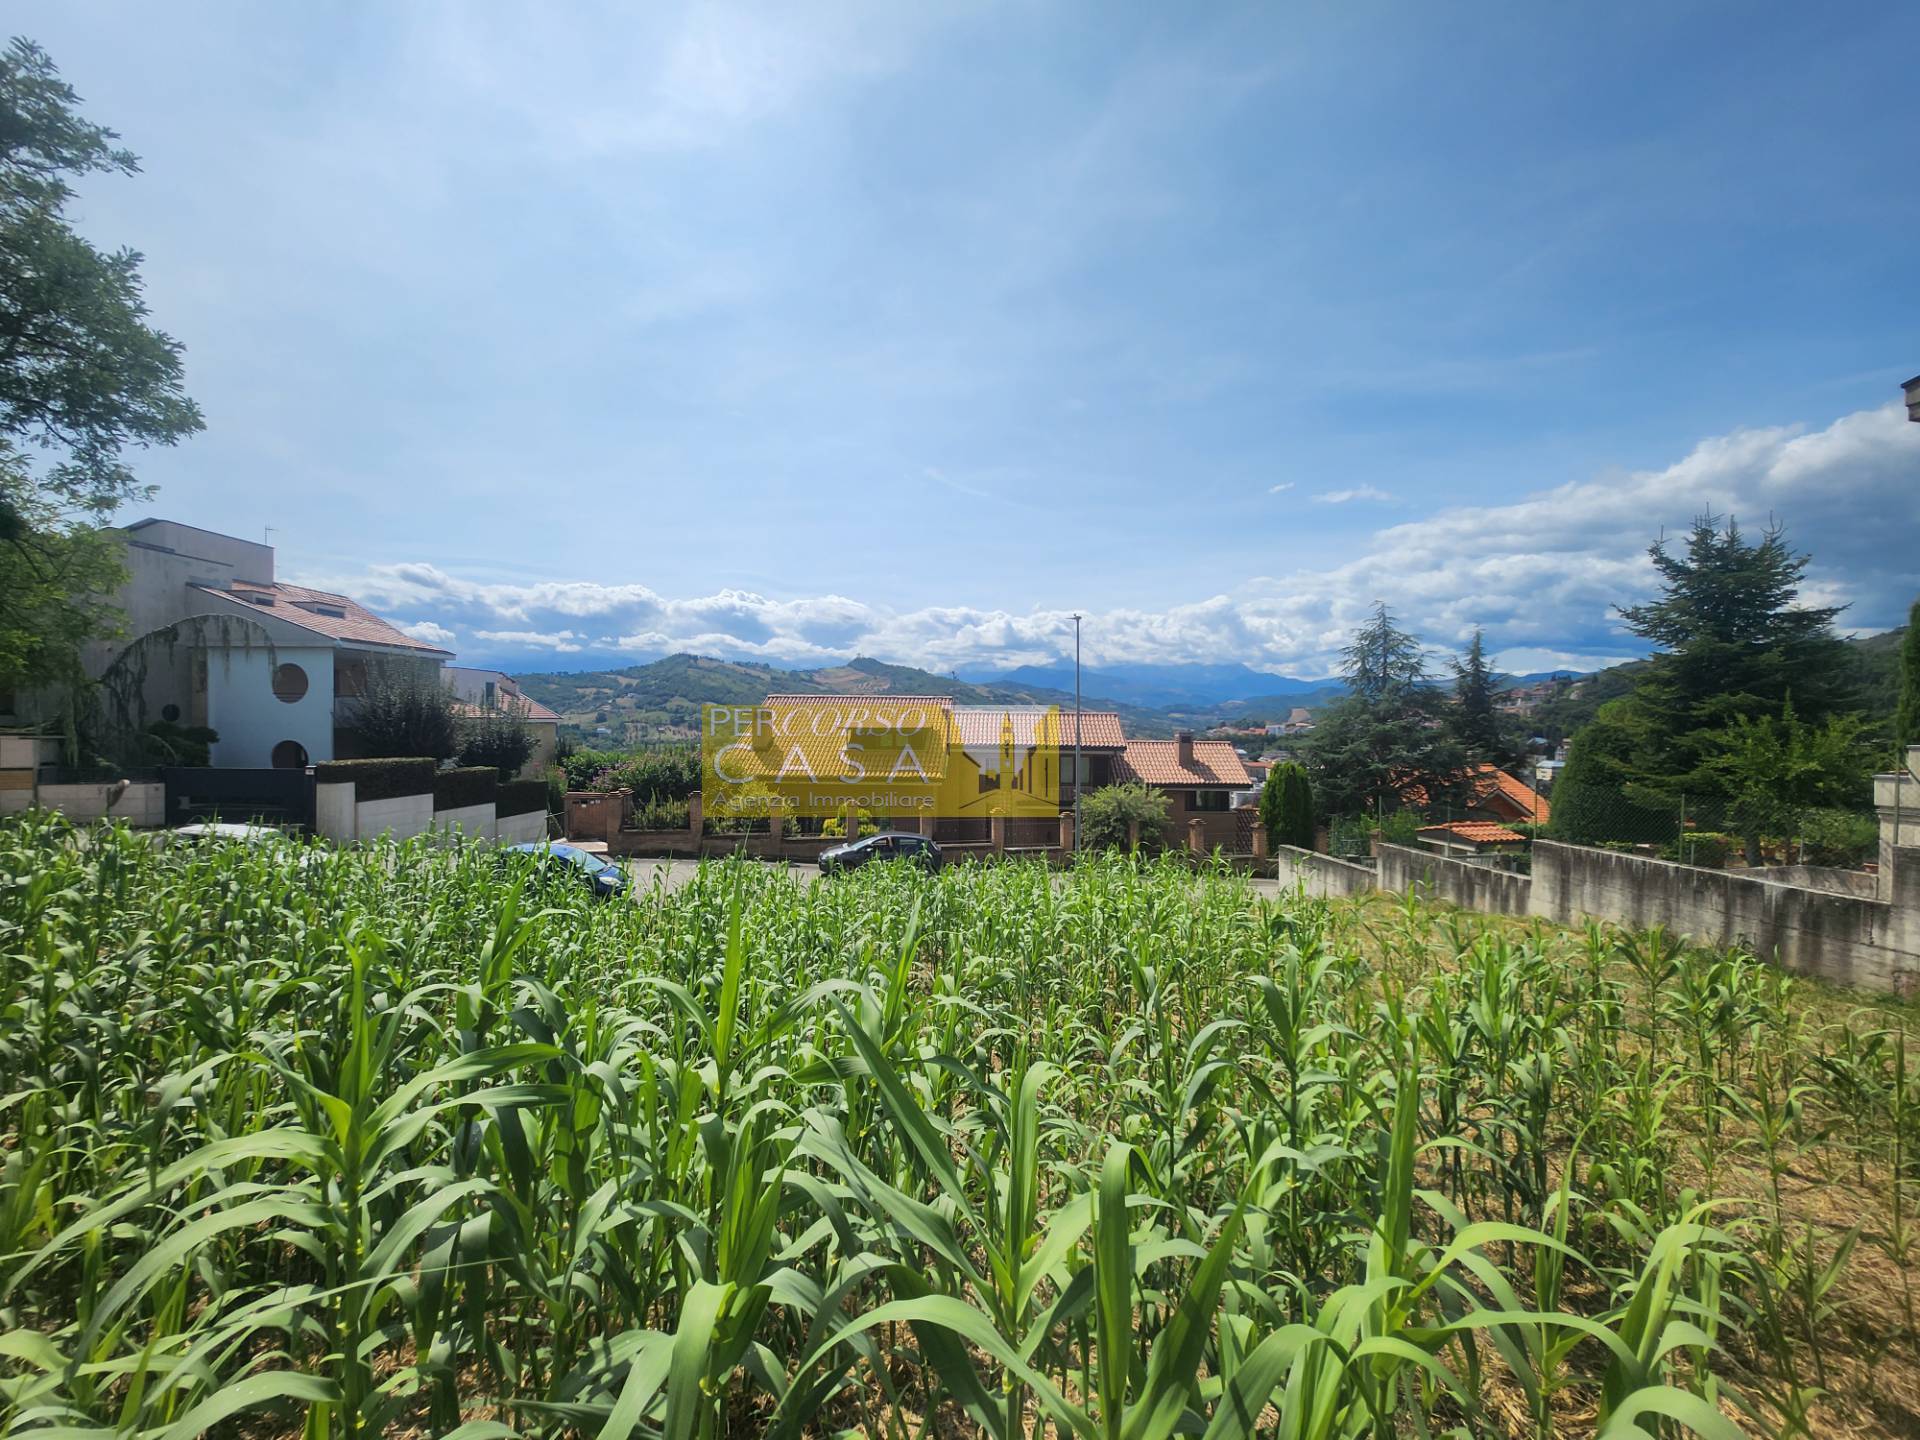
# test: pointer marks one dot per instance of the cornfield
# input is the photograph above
(397, 1141)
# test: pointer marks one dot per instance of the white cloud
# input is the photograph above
(1358, 492)
(1541, 574)
(428, 631)
(1281, 488)
(564, 642)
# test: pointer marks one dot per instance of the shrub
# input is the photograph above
(378, 779)
(1705, 848)
(1838, 837)
(660, 815)
(407, 710)
(457, 789)
(498, 736)
(1348, 836)
(520, 797)
(1286, 807)
(665, 772)
(836, 826)
(1400, 827)
(1108, 814)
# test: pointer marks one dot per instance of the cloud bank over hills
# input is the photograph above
(1541, 574)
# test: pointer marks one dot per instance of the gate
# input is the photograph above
(281, 798)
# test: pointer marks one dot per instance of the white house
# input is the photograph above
(213, 639)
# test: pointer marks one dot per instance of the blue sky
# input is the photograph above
(794, 331)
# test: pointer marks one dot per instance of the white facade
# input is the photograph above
(211, 638)
(253, 721)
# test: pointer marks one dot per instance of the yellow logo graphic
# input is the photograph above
(820, 756)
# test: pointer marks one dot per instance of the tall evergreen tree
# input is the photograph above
(1906, 717)
(1386, 738)
(1476, 723)
(1732, 642)
(1286, 807)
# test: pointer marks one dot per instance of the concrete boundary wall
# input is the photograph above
(1322, 876)
(1848, 939)
(476, 822)
(1459, 882)
(521, 829)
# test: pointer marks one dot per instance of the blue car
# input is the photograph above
(601, 875)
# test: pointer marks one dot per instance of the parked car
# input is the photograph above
(887, 845)
(606, 879)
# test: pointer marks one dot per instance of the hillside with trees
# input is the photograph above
(661, 700)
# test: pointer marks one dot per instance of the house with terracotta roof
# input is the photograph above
(1490, 793)
(481, 692)
(213, 638)
(1199, 778)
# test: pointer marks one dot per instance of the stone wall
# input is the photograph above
(1848, 939)
(1468, 884)
(144, 803)
(1322, 876)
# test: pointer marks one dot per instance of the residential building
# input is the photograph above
(480, 691)
(1490, 794)
(213, 638)
(1199, 778)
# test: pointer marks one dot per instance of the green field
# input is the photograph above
(385, 1142)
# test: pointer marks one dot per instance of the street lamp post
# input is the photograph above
(1079, 775)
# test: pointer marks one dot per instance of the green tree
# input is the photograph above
(498, 736)
(1595, 799)
(406, 712)
(1477, 726)
(1776, 769)
(1386, 736)
(1108, 814)
(1286, 807)
(83, 378)
(1732, 641)
(1906, 716)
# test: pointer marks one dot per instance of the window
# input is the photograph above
(289, 685)
(1210, 800)
(289, 755)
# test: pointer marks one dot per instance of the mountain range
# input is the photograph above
(663, 698)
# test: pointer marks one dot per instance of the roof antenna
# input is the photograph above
(265, 532)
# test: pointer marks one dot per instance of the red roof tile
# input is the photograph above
(981, 725)
(324, 613)
(525, 705)
(1478, 832)
(1157, 762)
(1494, 789)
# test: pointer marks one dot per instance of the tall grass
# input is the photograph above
(390, 1140)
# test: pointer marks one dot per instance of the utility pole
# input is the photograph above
(1079, 775)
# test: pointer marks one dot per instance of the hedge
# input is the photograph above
(520, 797)
(378, 779)
(457, 789)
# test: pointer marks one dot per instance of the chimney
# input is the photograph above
(1183, 746)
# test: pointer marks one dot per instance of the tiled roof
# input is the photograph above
(1521, 795)
(1476, 832)
(1157, 762)
(944, 701)
(525, 705)
(981, 725)
(1493, 788)
(354, 624)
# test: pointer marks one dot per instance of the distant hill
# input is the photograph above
(1185, 688)
(662, 700)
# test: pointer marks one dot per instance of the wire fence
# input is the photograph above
(1703, 830)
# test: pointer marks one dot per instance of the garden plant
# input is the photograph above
(401, 1140)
